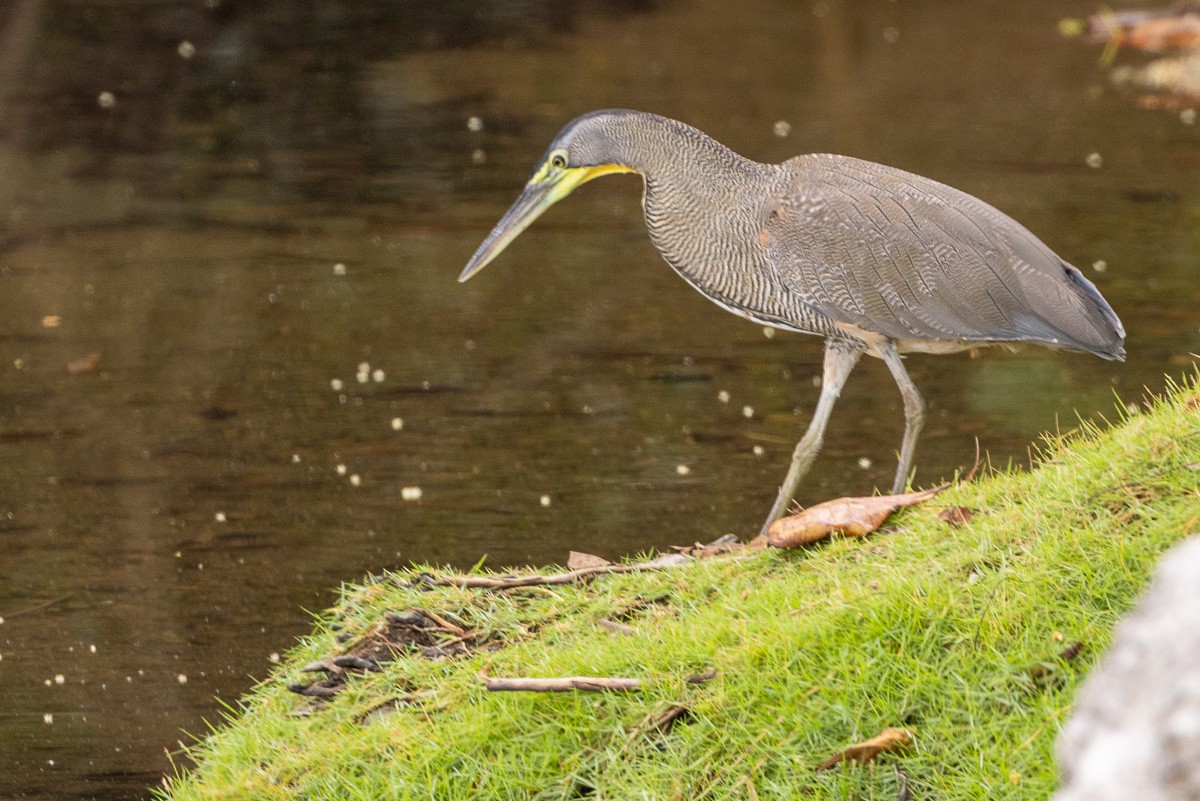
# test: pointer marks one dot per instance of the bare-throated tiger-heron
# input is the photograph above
(874, 259)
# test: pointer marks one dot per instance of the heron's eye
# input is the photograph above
(558, 161)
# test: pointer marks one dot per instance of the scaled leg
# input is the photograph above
(840, 358)
(914, 414)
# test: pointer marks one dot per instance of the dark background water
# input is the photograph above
(171, 317)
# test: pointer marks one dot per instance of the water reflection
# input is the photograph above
(171, 318)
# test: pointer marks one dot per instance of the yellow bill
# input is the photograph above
(548, 185)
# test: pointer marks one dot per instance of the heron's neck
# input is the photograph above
(699, 196)
(672, 154)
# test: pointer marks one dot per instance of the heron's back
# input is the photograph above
(915, 260)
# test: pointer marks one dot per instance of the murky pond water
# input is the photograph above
(179, 478)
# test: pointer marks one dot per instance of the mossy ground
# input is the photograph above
(955, 633)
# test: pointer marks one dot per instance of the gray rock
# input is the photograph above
(1135, 731)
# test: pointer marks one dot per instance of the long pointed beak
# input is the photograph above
(540, 194)
(534, 200)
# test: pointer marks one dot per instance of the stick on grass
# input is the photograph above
(563, 684)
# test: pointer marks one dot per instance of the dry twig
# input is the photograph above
(570, 577)
(563, 684)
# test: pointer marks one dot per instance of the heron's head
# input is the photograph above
(588, 147)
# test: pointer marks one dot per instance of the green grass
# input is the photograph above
(922, 625)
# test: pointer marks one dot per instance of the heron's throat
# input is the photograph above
(578, 176)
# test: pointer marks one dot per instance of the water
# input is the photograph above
(171, 318)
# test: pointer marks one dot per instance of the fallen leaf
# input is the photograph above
(578, 561)
(851, 517)
(1041, 670)
(1192, 403)
(890, 739)
(51, 321)
(83, 365)
(956, 515)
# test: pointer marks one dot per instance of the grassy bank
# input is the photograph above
(779, 659)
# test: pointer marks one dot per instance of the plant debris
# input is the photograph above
(661, 721)
(1041, 671)
(890, 739)
(570, 577)
(568, 683)
(614, 627)
(1071, 651)
(956, 516)
(904, 794)
(577, 560)
(426, 633)
(850, 517)
(563, 684)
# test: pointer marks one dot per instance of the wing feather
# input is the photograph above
(910, 258)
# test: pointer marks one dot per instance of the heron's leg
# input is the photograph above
(914, 413)
(840, 358)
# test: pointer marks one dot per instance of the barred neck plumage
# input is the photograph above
(700, 197)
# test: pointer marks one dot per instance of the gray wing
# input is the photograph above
(910, 258)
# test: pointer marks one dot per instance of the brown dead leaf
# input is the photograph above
(83, 365)
(890, 739)
(956, 515)
(851, 517)
(579, 561)
(1071, 651)
(51, 321)
(1192, 403)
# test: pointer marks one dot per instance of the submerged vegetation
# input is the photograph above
(963, 627)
